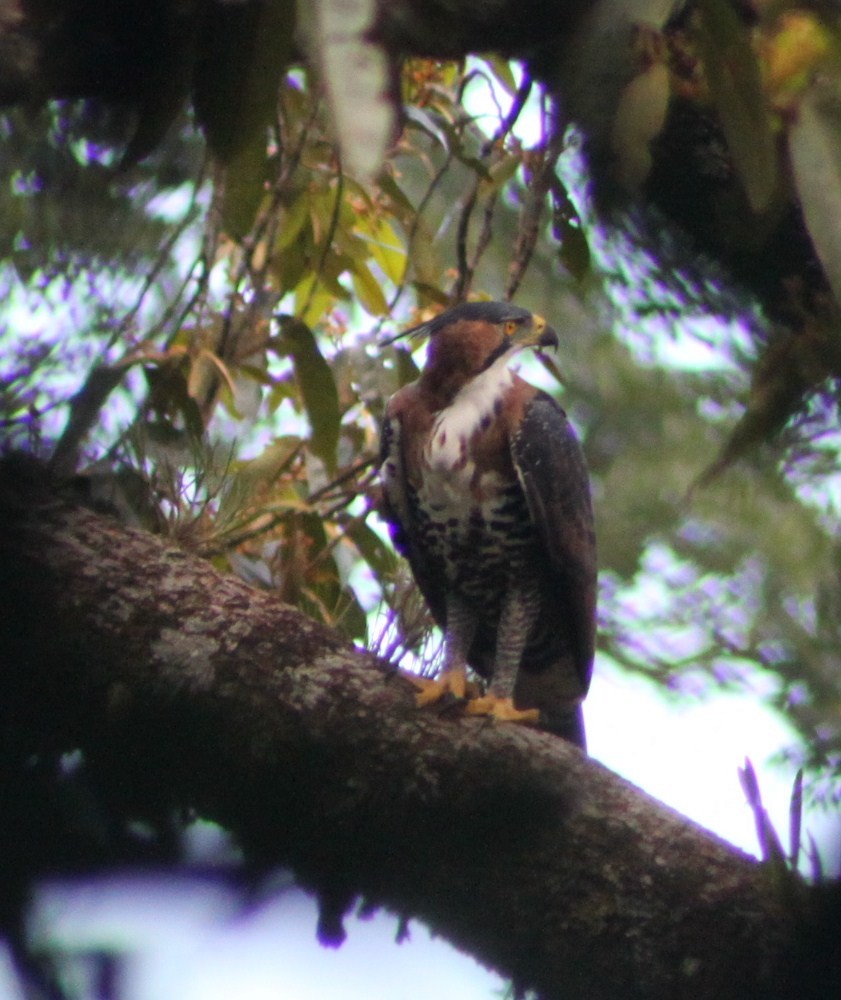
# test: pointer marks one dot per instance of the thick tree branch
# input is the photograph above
(211, 695)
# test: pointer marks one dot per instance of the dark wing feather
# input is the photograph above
(399, 512)
(393, 473)
(551, 468)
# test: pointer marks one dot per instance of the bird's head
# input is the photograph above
(468, 339)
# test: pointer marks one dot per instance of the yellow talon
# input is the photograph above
(454, 682)
(431, 690)
(501, 709)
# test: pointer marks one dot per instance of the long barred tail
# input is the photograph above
(569, 725)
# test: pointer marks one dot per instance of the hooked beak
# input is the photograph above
(537, 334)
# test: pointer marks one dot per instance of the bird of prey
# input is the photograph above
(487, 495)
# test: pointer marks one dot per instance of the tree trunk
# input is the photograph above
(212, 696)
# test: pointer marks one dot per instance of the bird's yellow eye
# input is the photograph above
(510, 328)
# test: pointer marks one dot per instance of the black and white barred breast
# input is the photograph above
(481, 545)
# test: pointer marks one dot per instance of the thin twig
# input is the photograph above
(529, 229)
(491, 148)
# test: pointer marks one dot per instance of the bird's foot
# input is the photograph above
(501, 709)
(432, 690)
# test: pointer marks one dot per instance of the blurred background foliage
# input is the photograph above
(195, 299)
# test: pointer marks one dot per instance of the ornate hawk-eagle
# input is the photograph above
(487, 495)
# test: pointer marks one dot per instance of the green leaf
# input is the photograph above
(272, 461)
(288, 269)
(499, 174)
(318, 388)
(243, 51)
(423, 256)
(735, 81)
(295, 218)
(379, 556)
(242, 480)
(385, 247)
(368, 290)
(814, 144)
(403, 205)
(245, 181)
(310, 578)
(349, 616)
(426, 122)
(312, 297)
(169, 397)
(569, 232)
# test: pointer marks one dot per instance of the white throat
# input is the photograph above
(456, 424)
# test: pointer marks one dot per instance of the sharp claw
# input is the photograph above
(451, 682)
(501, 709)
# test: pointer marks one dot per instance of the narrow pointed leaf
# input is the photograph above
(318, 388)
(379, 556)
(368, 290)
(814, 144)
(735, 81)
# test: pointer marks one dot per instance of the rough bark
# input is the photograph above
(509, 842)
